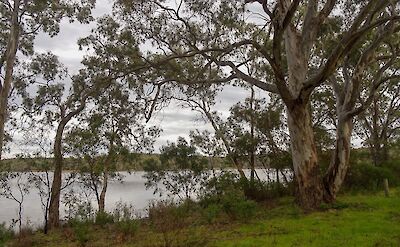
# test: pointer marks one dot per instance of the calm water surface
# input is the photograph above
(131, 191)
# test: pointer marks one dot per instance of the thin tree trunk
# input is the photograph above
(54, 214)
(106, 174)
(103, 192)
(5, 88)
(375, 135)
(339, 164)
(277, 176)
(304, 153)
(54, 208)
(252, 150)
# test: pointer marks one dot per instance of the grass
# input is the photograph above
(355, 220)
(366, 221)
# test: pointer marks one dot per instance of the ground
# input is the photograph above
(355, 220)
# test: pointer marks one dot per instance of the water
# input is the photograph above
(131, 191)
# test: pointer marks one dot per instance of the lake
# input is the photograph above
(131, 191)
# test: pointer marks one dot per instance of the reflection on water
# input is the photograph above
(131, 191)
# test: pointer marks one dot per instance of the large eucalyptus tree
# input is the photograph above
(298, 46)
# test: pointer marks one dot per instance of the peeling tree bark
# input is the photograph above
(305, 162)
(5, 88)
(339, 164)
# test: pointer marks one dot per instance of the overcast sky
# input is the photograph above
(173, 120)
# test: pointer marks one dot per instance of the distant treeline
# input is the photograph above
(130, 162)
(135, 161)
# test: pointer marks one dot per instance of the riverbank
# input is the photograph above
(355, 220)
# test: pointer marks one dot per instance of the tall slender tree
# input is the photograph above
(21, 22)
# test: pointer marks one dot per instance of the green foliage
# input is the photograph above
(355, 220)
(369, 177)
(123, 211)
(211, 212)
(128, 227)
(126, 222)
(167, 218)
(237, 207)
(180, 170)
(224, 194)
(165, 215)
(6, 234)
(104, 218)
(81, 232)
(78, 210)
(220, 184)
(228, 182)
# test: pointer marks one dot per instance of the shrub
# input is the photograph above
(237, 207)
(81, 232)
(229, 182)
(369, 177)
(167, 218)
(211, 212)
(128, 227)
(103, 218)
(78, 210)
(123, 211)
(219, 186)
(25, 236)
(6, 234)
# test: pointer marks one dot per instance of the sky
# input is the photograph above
(173, 120)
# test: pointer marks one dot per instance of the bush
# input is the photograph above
(103, 218)
(123, 211)
(25, 236)
(166, 215)
(219, 186)
(227, 197)
(77, 210)
(237, 207)
(234, 204)
(6, 234)
(211, 212)
(167, 218)
(128, 227)
(178, 172)
(229, 182)
(369, 177)
(81, 232)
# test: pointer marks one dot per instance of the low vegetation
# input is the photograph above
(354, 220)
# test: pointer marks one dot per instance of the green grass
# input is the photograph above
(367, 221)
(355, 220)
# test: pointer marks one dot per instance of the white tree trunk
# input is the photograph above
(305, 162)
(339, 164)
